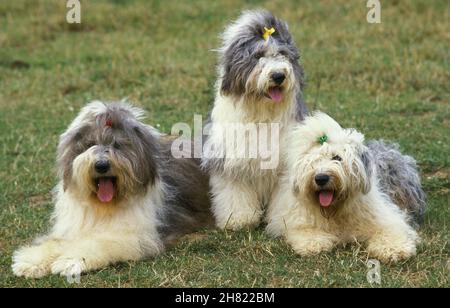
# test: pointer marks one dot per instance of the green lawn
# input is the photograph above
(389, 80)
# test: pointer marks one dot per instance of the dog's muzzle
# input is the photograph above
(275, 91)
(325, 195)
(105, 182)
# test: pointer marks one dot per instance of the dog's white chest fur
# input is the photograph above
(245, 182)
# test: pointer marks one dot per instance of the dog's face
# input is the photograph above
(261, 70)
(107, 154)
(327, 173)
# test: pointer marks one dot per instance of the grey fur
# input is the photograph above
(211, 165)
(367, 160)
(241, 55)
(187, 204)
(186, 191)
(399, 178)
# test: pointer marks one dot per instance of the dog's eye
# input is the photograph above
(90, 144)
(116, 145)
(337, 157)
(258, 55)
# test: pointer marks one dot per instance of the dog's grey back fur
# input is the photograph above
(399, 178)
(187, 204)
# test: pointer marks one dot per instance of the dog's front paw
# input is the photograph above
(237, 218)
(391, 254)
(69, 267)
(392, 248)
(31, 262)
(238, 221)
(311, 245)
(310, 248)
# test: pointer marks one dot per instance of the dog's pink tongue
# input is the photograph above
(276, 94)
(325, 198)
(105, 191)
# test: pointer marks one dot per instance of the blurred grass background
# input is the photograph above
(389, 80)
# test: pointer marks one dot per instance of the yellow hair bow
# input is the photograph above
(268, 33)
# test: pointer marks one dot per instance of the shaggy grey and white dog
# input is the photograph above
(121, 195)
(337, 190)
(260, 81)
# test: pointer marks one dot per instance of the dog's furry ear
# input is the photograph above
(70, 145)
(366, 160)
(62, 160)
(302, 110)
(227, 83)
(238, 63)
(148, 151)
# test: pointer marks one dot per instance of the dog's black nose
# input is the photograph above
(278, 78)
(322, 179)
(102, 166)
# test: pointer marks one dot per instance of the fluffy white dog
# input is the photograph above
(331, 194)
(121, 195)
(260, 82)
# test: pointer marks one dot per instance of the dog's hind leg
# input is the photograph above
(235, 204)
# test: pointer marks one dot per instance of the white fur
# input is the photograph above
(86, 237)
(240, 191)
(367, 214)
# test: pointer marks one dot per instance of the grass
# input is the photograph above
(389, 80)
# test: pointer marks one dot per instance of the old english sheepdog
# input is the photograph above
(335, 191)
(121, 196)
(260, 81)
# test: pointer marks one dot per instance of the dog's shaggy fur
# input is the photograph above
(260, 81)
(333, 193)
(121, 195)
(399, 178)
